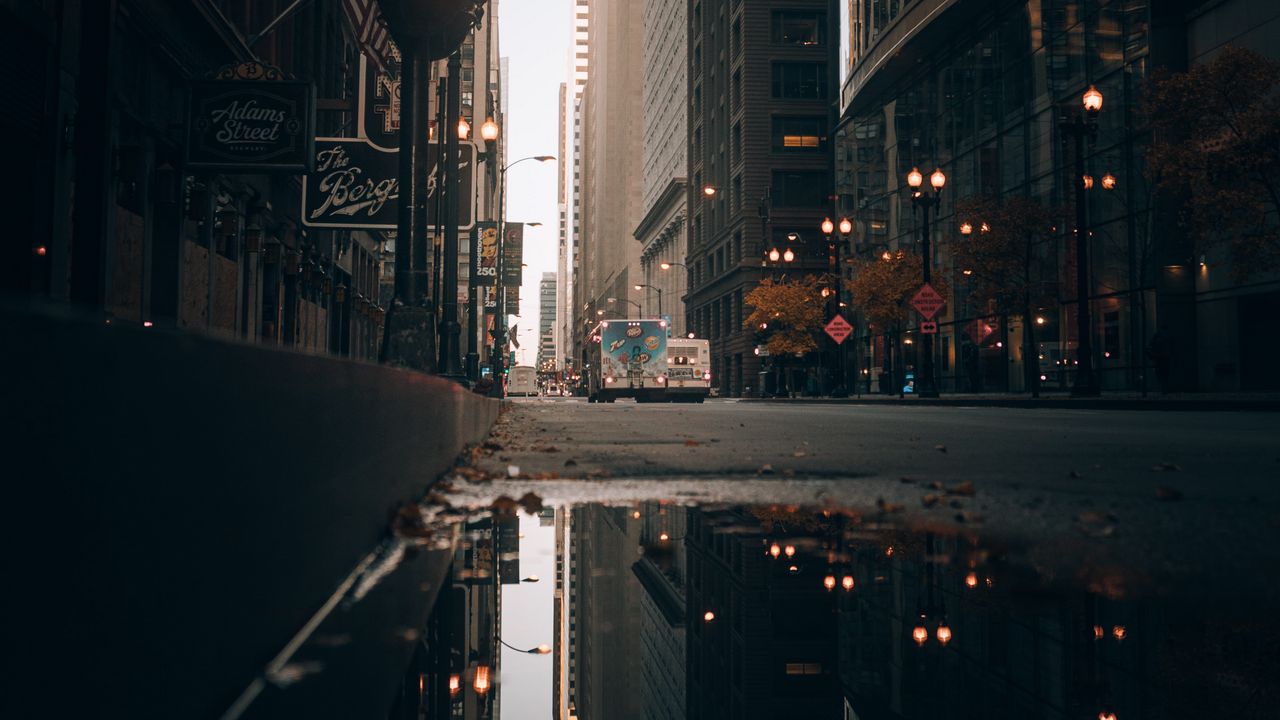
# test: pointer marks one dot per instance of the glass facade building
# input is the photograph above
(980, 89)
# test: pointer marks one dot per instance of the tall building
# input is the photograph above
(610, 160)
(662, 229)
(979, 89)
(546, 322)
(571, 127)
(760, 94)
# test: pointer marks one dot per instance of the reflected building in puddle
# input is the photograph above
(606, 599)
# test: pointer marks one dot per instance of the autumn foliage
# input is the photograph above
(1216, 146)
(1000, 252)
(790, 309)
(882, 288)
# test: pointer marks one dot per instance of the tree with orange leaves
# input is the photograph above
(791, 310)
(882, 290)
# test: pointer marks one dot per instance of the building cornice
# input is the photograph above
(671, 194)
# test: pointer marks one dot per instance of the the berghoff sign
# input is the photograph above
(356, 184)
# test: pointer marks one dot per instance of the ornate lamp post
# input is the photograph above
(926, 202)
(1077, 127)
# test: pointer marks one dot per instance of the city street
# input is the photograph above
(1187, 495)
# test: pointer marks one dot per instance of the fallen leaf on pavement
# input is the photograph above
(513, 470)
(799, 453)
(929, 500)
(691, 443)
(888, 507)
(531, 503)
(965, 488)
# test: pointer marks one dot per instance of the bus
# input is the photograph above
(522, 381)
(628, 358)
(688, 370)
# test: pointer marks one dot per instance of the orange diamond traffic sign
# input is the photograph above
(839, 329)
(927, 301)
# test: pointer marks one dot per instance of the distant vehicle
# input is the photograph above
(688, 369)
(628, 358)
(522, 381)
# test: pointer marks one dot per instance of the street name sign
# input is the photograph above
(839, 329)
(927, 301)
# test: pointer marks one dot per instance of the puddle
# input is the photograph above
(759, 601)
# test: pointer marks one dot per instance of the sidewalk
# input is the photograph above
(1258, 402)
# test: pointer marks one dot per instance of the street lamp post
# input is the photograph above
(1078, 127)
(639, 309)
(656, 289)
(925, 202)
(542, 649)
(449, 327)
(500, 320)
(687, 272)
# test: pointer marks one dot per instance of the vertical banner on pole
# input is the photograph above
(512, 255)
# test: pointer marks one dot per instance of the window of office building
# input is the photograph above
(800, 188)
(807, 29)
(800, 134)
(801, 81)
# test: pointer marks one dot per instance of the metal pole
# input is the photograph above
(499, 332)
(1086, 383)
(659, 302)
(926, 386)
(421, 164)
(449, 329)
(404, 222)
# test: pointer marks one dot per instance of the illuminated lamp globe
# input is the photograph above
(1092, 99)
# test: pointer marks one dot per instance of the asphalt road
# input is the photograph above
(1184, 497)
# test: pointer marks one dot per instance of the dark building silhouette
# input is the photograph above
(762, 83)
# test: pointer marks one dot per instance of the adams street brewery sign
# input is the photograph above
(249, 119)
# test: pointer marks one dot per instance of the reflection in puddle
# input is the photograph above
(666, 610)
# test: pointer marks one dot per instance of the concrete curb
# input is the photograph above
(185, 504)
(1208, 404)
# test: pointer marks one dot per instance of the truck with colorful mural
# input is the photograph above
(628, 358)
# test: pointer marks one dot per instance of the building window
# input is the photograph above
(800, 134)
(807, 29)
(799, 189)
(804, 668)
(801, 81)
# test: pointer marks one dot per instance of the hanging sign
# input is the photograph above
(249, 119)
(484, 251)
(356, 185)
(379, 113)
(512, 254)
